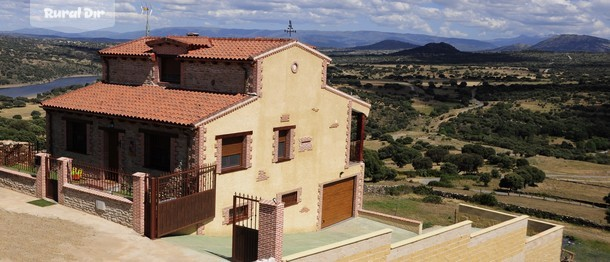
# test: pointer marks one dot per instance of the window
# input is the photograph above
(283, 143)
(290, 199)
(157, 151)
(76, 136)
(233, 152)
(241, 213)
(170, 69)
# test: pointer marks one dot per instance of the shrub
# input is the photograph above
(485, 199)
(433, 199)
(397, 190)
(17, 117)
(423, 190)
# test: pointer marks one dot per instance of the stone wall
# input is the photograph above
(117, 209)
(131, 139)
(222, 77)
(130, 71)
(17, 181)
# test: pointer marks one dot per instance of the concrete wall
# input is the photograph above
(17, 181)
(222, 77)
(131, 139)
(374, 246)
(130, 71)
(321, 119)
(401, 222)
(117, 209)
(544, 245)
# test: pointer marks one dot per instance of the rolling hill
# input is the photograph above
(386, 45)
(573, 43)
(431, 48)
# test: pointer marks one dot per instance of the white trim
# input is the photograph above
(225, 111)
(344, 95)
(291, 44)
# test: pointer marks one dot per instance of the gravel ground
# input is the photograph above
(58, 233)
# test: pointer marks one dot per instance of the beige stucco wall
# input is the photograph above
(317, 113)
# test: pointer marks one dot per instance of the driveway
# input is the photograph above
(59, 233)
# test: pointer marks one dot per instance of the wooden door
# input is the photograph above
(338, 202)
(112, 154)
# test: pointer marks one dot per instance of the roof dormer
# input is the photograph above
(178, 45)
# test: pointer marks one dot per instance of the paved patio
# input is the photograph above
(293, 243)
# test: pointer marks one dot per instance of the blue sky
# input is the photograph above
(476, 19)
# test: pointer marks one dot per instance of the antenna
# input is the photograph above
(290, 29)
(147, 9)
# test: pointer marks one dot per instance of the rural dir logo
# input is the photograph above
(72, 16)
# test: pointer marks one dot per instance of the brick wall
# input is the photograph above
(118, 209)
(17, 181)
(223, 77)
(130, 71)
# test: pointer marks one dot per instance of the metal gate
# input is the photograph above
(244, 217)
(52, 171)
(179, 200)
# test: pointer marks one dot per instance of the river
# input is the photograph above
(32, 90)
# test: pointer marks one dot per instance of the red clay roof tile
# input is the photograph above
(204, 47)
(145, 102)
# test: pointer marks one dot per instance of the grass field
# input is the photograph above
(410, 206)
(572, 170)
(25, 112)
(536, 106)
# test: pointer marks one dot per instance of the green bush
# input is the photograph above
(485, 199)
(423, 190)
(433, 199)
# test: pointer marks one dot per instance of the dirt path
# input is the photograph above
(59, 233)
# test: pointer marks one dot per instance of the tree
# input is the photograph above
(485, 152)
(422, 163)
(437, 153)
(485, 178)
(531, 174)
(512, 182)
(466, 162)
(522, 162)
(375, 168)
(400, 154)
(35, 114)
(449, 169)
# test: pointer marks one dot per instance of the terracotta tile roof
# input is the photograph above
(145, 102)
(204, 47)
(237, 48)
(135, 47)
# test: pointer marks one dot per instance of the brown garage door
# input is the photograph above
(337, 201)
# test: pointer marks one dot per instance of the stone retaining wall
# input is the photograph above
(17, 181)
(117, 209)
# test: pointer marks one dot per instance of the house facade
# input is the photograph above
(259, 109)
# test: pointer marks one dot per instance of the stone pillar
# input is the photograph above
(41, 176)
(65, 168)
(139, 190)
(270, 230)
(200, 229)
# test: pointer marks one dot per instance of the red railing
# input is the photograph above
(102, 179)
(184, 183)
(19, 156)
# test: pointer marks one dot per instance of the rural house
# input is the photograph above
(257, 109)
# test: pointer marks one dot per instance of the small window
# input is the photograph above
(233, 152)
(241, 213)
(76, 137)
(283, 144)
(290, 199)
(170, 69)
(157, 152)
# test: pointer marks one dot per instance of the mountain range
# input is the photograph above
(359, 40)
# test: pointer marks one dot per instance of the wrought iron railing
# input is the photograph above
(100, 178)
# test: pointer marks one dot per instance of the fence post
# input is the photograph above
(62, 177)
(270, 230)
(138, 209)
(41, 176)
